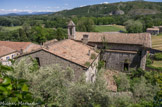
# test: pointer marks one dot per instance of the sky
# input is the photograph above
(15, 6)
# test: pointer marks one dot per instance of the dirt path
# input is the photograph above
(110, 80)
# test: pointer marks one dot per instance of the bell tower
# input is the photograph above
(71, 30)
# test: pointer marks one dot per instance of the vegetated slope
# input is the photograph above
(109, 28)
(157, 42)
(128, 8)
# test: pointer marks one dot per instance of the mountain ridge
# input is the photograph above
(128, 8)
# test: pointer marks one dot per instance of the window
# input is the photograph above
(7, 58)
(71, 32)
(13, 56)
(126, 66)
(38, 61)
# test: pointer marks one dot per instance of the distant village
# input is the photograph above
(82, 51)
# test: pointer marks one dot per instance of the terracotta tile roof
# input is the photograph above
(15, 45)
(73, 51)
(26, 46)
(32, 47)
(50, 42)
(71, 23)
(121, 38)
(5, 50)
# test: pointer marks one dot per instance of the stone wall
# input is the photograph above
(153, 32)
(116, 60)
(92, 70)
(117, 46)
(47, 58)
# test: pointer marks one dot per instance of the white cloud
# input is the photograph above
(105, 3)
(3, 11)
(82, 5)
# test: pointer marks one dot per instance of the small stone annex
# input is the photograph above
(68, 53)
(153, 31)
(122, 51)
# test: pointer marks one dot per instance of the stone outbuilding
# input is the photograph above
(68, 53)
(122, 51)
(153, 31)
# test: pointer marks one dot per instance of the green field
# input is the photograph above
(157, 64)
(109, 28)
(11, 28)
(157, 42)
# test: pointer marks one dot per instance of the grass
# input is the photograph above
(109, 28)
(157, 42)
(157, 63)
(11, 28)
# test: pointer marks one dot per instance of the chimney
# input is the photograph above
(89, 52)
(95, 48)
(85, 39)
(21, 51)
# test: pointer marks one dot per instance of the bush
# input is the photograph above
(148, 61)
(158, 56)
(60, 88)
(93, 56)
(122, 82)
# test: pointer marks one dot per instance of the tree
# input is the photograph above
(57, 87)
(22, 35)
(13, 90)
(133, 26)
(85, 25)
(60, 35)
(38, 34)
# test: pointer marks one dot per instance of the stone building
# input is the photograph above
(7, 53)
(68, 53)
(121, 51)
(153, 31)
(9, 50)
(21, 47)
(160, 29)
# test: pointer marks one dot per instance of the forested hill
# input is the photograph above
(127, 8)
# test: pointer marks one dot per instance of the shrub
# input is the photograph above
(93, 56)
(59, 88)
(100, 65)
(158, 56)
(143, 90)
(87, 64)
(148, 61)
(13, 90)
(122, 82)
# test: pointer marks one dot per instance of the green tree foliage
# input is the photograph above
(59, 87)
(122, 82)
(12, 90)
(133, 26)
(39, 34)
(158, 56)
(60, 34)
(85, 25)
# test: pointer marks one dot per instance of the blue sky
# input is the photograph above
(14, 6)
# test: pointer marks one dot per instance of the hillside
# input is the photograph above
(157, 42)
(109, 28)
(128, 8)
